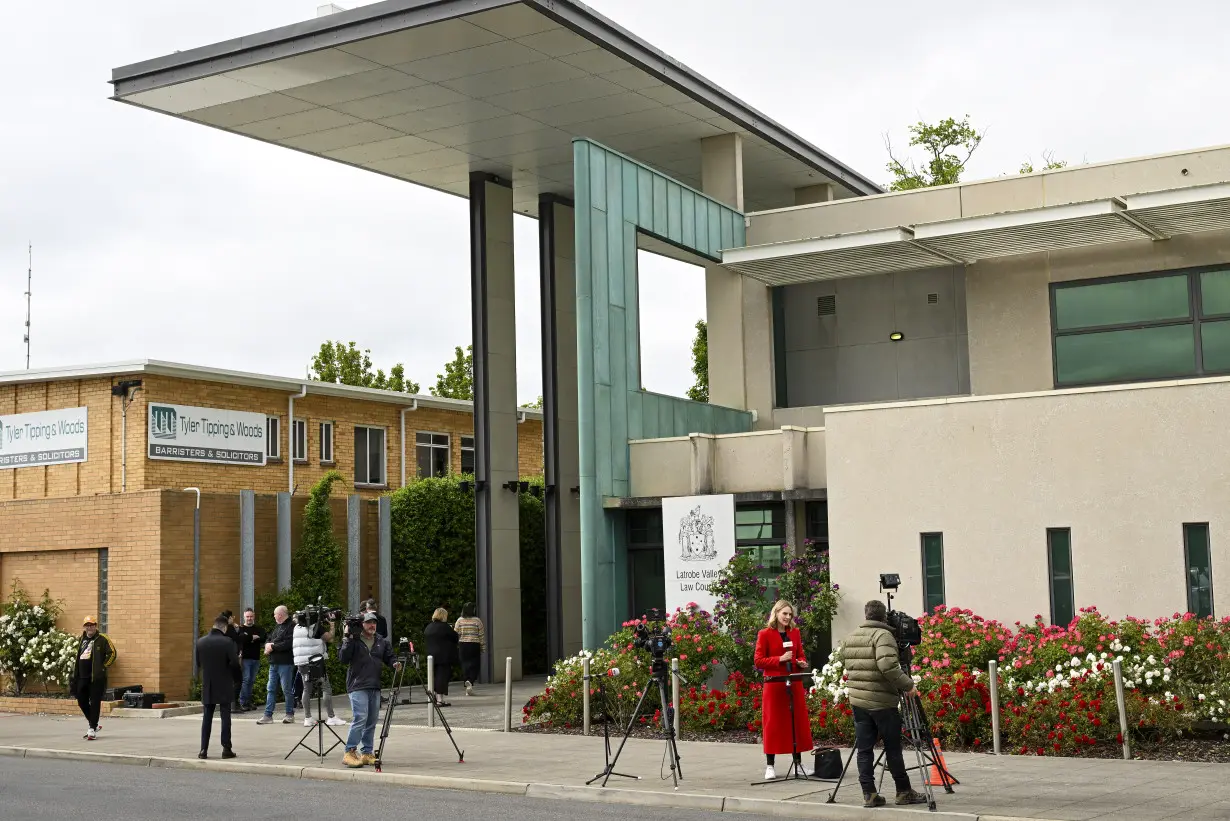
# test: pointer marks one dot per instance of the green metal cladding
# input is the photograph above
(615, 198)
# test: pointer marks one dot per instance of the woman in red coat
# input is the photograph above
(779, 650)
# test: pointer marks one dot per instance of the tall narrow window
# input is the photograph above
(298, 440)
(273, 437)
(326, 442)
(432, 452)
(467, 454)
(933, 570)
(1059, 566)
(1199, 564)
(103, 595)
(369, 456)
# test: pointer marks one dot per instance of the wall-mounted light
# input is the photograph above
(896, 336)
(576, 491)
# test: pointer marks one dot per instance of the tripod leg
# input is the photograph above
(842, 777)
(631, 721)
(435, 705)
(670, 734)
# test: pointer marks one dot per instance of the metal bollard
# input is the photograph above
(993, 673)
(508, 694)
(431, 685)
(675, 693)
(585, 697)
(1123, 722)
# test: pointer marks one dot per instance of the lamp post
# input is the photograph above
(196, 573)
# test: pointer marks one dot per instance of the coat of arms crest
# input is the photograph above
(696, 541)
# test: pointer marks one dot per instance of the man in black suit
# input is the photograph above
(218, 662)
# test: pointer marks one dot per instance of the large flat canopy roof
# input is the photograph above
(430, 90)
(1156, 215)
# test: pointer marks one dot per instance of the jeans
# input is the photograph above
(284, 673)
(326, 692)
(250, 669)
(885, 725)
(207, 721)
(365, 705)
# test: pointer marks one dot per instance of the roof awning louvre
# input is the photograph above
(963, 241)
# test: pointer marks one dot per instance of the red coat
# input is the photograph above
(769, 649)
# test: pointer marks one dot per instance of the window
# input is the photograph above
(760, 532)
(273, 437)
(1158, 326)
(102, 589)
(368, 456)
(818, 525)
(467, 454)
(298, 440)
(646, 571)
(933, 570)
(1199, 564)
(1059, 567)
(326, 442)
(432, 450)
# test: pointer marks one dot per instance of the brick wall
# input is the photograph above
(48, 538)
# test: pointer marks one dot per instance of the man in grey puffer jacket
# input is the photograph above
(877, 682)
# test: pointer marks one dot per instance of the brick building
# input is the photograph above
(94, 462)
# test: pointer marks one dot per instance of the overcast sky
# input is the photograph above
(158, 238)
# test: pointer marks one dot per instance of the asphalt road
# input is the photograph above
(51, 789)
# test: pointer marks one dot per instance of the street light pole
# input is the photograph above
(196, 573)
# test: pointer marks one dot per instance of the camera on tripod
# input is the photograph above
(655, 639)
(904, 627)
(316, 617)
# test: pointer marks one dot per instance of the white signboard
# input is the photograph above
(51, 437)
(186, 434)
(698, 535)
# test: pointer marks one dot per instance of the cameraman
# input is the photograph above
(365, 653)
(309, 640)
(877, 682)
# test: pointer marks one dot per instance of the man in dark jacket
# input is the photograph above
(218, 661)
(253, 639)
(877, 682)
(95, 654)
(366, 656)
(280, 650)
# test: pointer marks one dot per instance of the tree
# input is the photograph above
(457, 381)
(699, 392)
(535, 405)
(346, 364)
(943, 167)
(1048, 157)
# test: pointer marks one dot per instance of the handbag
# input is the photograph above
(828, 764)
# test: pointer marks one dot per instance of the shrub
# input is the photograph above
(22, 621)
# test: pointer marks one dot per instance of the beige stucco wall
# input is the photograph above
(1124, 468)
(784, 459)
(1008, 301)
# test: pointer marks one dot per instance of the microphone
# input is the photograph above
(614, 671)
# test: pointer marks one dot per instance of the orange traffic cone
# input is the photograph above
(933, 777)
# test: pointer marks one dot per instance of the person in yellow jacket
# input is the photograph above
(95, 653)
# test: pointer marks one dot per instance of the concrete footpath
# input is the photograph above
(716, 776)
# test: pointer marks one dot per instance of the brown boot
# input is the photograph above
(911, 797)
(873, 799)
(352, 759)
(368, 759)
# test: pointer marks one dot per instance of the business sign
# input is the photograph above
(52, 437)
(698, 534)
(186, 434)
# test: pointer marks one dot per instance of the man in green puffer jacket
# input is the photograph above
(877, 682)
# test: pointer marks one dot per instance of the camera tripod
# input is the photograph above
(917, 734)
(608, 768)
(658, 675)
(316, 672)
(410, 661)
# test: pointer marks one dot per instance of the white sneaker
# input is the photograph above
(309, 722)
(469, 688)
(769, 773)
(92, 734)
(334, 721)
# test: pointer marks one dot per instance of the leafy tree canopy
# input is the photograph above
(347, 365)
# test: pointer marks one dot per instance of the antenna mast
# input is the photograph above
(29, 282)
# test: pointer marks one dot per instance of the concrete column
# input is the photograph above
(738, 310)
(385, 606)
(354, 528)
(283, 541)
(247, 549)
(492, 297)
(557, 252)
(793, 542)
(812, 194)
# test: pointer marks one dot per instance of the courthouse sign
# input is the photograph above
(51, 437)
(188, 434)
(699, 540)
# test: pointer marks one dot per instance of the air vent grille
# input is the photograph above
(826, 305)
(933, 299)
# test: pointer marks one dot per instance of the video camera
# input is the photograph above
(354, 625)
(655, 639)
(316, 616)
(905, 627)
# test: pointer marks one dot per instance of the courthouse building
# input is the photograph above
(94, 462)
